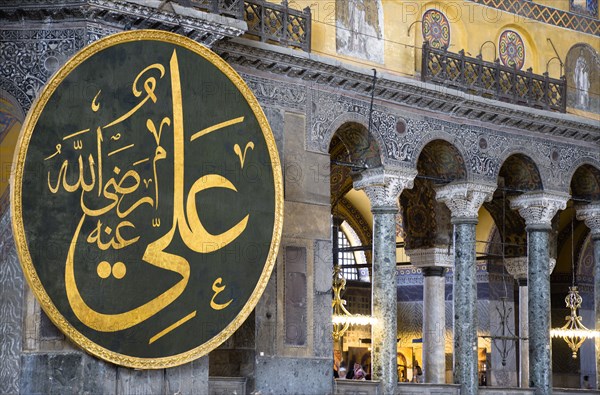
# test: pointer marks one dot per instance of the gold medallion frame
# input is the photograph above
(16, 200)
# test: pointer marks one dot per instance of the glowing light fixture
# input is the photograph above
(574, 333)
(342, 319)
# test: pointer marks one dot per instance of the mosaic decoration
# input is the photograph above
(7, 116)
(359, 29)
(436, 29)
(545, 14)
(582, 70)
(587, 7)
(512, 49)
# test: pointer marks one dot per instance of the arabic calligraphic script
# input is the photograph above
(149, 199)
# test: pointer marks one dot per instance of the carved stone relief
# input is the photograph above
(402, 138)
(29, 57)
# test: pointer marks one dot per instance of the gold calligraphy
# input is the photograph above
(217, 288)
(119, 195)
(238, 152)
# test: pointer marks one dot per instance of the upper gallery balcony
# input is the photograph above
(493, 80)
(269, 22)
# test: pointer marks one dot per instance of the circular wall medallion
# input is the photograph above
(147, 199)
(512, 49)
(436, 29)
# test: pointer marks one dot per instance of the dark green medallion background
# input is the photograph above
(50, 220)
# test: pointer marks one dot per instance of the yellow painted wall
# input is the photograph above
(471, 26)
(483, 229)
(7, 148)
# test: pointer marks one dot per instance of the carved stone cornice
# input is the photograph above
(538, 208)
(431, 257)
(203, 27)
(325, 72)
(464, 198)
(590, 215)
(383, 186)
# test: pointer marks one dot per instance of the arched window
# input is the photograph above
(346, 258)
(351, 255)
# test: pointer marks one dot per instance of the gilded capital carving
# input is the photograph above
(538, 208)
(590, 215)
(431, 257)
(464, 198)
(384, 186)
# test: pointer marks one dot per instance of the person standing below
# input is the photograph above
(418, 373)
(586, 383)
(359, 373)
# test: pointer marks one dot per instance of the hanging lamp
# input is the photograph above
(574, 333)
(341, 318)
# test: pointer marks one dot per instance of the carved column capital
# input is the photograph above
(384, 186)
(464, 198)
(590, 215)
(431, 257)
(516, 267)
(538, 208)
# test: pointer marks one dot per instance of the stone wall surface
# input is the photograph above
(304, 108)
(11, 310)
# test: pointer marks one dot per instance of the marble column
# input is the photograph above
(537, 209)
(464, 200)
(383, 187)
(517, 267)
(433, 263)
(590, 214)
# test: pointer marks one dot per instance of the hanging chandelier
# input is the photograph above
(574, 333)
(342, 319)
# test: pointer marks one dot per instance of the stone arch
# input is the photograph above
(340, 180)
(427, 221)
(585, 182)
(448, 139)
(440, 158)
(523, 157)
(359, 123)
(509, 225)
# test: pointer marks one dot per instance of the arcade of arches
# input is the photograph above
(462, 214)
(452, 297)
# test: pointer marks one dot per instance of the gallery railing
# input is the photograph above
(232, 8)
(278, 23)
(269, 22)
(493, 80)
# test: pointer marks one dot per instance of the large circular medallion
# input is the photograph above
(512, 49)
(436, 29)
(147, 199)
